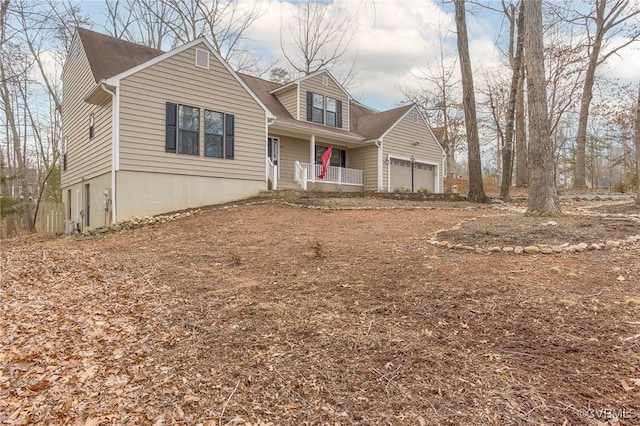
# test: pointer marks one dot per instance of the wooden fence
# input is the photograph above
(50, 220)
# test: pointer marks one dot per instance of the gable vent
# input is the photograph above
(325, 80)
(202, 58)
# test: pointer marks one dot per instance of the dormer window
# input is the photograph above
(321, 113)
(331, 112)
(317, 108)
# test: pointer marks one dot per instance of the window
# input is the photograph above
(331, 112)
(91, 127)
(188, 130)
(338, 156)
(183, 131)
(218, 134)
(65, 142)
(213, 134)
(334, 112)
(316, 110)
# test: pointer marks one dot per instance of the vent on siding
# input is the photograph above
(325, 80)
(202, 58)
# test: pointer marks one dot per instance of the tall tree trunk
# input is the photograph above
(543, 200)
(476, 187)
(522, 151)
(614, 17)
(637, 140)
(579, 179)
(516, 62)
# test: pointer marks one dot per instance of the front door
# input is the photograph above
(272, 150)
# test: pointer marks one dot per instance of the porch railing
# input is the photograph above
(305, 173)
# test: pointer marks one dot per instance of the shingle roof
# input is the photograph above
(109, 56)
(373, 126)
(366, 123)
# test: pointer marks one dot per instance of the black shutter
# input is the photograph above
(229, 123)
(171, 127)
(64, 162)
(309, 106)
(339, 114)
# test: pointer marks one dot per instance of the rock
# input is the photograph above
(595, 246)
(467, 248)
(546, 250)
(569, 249)
(518, 250)
(612, 244)
(531, 249)
(494, 249)
(557, 249)
(508, 249)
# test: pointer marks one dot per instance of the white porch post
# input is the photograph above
(312, 156)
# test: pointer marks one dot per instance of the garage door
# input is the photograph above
(423, 176)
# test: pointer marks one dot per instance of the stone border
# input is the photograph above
(540, 248)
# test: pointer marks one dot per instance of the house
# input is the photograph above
(148, 132)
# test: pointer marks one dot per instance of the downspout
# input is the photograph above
(268, 121)
(114, 147)
(379, 145)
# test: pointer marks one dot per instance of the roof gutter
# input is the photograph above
(115, 145)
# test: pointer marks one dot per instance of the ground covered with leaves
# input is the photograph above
(323, 312)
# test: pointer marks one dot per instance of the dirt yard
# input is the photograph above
(326, 312)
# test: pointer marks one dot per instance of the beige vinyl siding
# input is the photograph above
(366, 159)
(332, 90)
(289, 100)
(143, 98)
(86, 158)
(291, 150)
(399, 141)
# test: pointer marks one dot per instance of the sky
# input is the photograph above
(396, 41)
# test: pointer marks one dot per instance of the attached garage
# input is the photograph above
(400, 171)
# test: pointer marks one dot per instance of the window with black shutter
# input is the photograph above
(229, 132)
(171, 127)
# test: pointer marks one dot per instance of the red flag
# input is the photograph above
(324, 159)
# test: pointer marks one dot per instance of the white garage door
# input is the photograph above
(424, 176)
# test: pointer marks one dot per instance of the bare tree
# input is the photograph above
(440, 103)
(141, 21)
(7, 77)
(317, 37)
(516, 38)
(637, 143)
(611, 18)
(164, 24)
(543, 200)
(476, 186)
(522, 149)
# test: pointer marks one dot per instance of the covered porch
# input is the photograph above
(293, 161)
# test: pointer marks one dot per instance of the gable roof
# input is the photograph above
(109, 56)
(376, 125)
